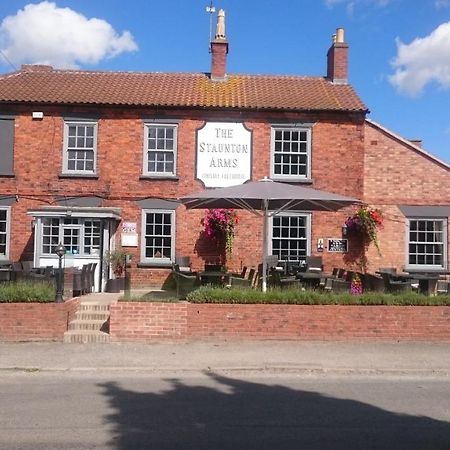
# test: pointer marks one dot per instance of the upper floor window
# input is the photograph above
(160, 148)
(80, 147)
(158, 236)
(4, 232)
(291, 152)
(427, 247)
(6, 145)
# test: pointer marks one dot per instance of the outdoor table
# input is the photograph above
(215, 277)
(311, 279)
(427, 281)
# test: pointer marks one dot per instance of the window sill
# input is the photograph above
(7, 175)
(146, 265)
(94, 176)
(293, 180)
(159, 177)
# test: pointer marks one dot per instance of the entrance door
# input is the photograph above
(84, 239)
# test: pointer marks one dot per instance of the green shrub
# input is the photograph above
(207, 294)
(27, 291)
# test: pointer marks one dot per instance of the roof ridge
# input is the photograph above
(157, 72)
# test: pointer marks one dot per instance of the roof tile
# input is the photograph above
(44, 85)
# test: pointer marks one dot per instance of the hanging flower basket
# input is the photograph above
(366, 222)
(219, 226)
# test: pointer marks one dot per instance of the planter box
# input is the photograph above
(115, 285)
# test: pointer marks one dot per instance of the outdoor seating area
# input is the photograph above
(83, 278)
(24, 270)
(310, 275)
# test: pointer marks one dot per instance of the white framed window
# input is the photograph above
(80, 147)
(4, 231)
(290, 236)
(160, 149)
(426, 243)
(158, 236)
(80, 237)
(290, 152)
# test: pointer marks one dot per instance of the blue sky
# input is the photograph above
(399, 49)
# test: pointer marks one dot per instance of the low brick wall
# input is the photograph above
(136, 321)
(139, 321)
(36, 321)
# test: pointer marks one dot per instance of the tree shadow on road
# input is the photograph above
(227, 413)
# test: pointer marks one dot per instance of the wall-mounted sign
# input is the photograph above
(224, 154)
(129, 237)
(338, 245)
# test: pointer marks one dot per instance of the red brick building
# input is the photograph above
(97, 159)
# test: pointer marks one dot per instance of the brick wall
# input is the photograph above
(158, 321)
(36, 321)
(136, 321)
(337, 148)
(397, 173)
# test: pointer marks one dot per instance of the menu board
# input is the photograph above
(338, 245)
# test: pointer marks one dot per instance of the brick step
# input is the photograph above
(86, 337)
(89, 306)
(92, 315)
(86, 324)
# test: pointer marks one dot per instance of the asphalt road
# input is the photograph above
(123, 409)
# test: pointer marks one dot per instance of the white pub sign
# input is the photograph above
(224, 154)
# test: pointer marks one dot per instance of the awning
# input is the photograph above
(425, 210)
(77, 211)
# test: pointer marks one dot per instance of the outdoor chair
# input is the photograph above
(240, 274)
(442, 287)
(185, 283)
(239, 282)
(251, 277)
(276, 280)
(372, 282)
(184, 263)
(393, 286)
(340, 285)
(349, 275)
(314, 264)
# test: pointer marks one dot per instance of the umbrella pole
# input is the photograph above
(265, 251)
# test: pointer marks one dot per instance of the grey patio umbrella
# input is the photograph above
(267, 198)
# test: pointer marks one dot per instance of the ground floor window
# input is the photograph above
(79, 236)
(427, 243)
(158, 236)
(4, 232)
(290, 237)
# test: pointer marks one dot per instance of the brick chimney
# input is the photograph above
(219, 50)
(337, 59)
(416, 142)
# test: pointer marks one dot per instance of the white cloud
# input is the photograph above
(423, 61)
(351, 4)
(441, 4)
(45, 34)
